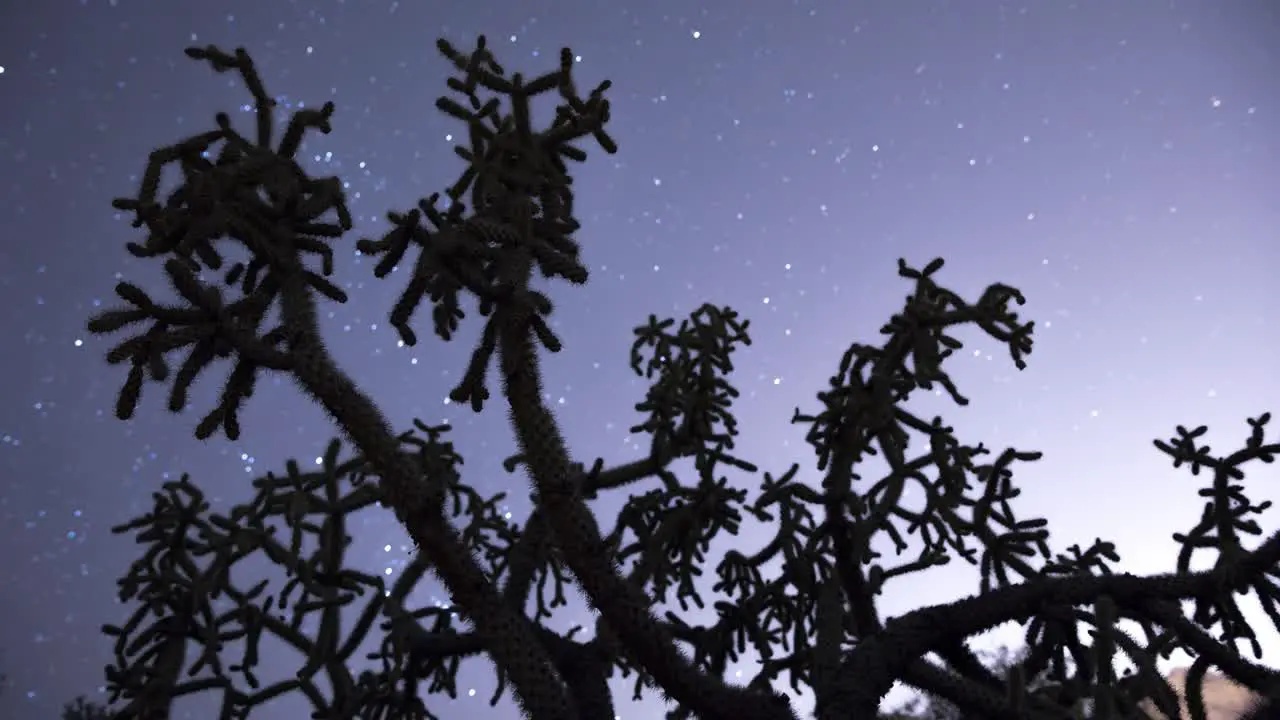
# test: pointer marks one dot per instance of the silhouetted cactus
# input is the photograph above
(814, 624)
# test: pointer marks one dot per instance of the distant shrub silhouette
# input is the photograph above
(1001, 663)
(82, 709)
(814, 624)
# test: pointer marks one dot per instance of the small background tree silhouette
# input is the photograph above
(82, 709)
(813, 624)
(1001, 663)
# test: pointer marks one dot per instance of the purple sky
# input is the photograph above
(1116, 161)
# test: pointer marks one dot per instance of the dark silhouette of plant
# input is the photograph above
(1003, 663)
(1000, 662)
(82, 709)
(814, 624)
(78, 709)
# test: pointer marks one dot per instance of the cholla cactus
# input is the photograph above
(815, 624)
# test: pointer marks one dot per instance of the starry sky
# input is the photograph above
(1116, 161)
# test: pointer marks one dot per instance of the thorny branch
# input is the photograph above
(814, 623)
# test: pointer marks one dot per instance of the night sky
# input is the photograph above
(1116, 161)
